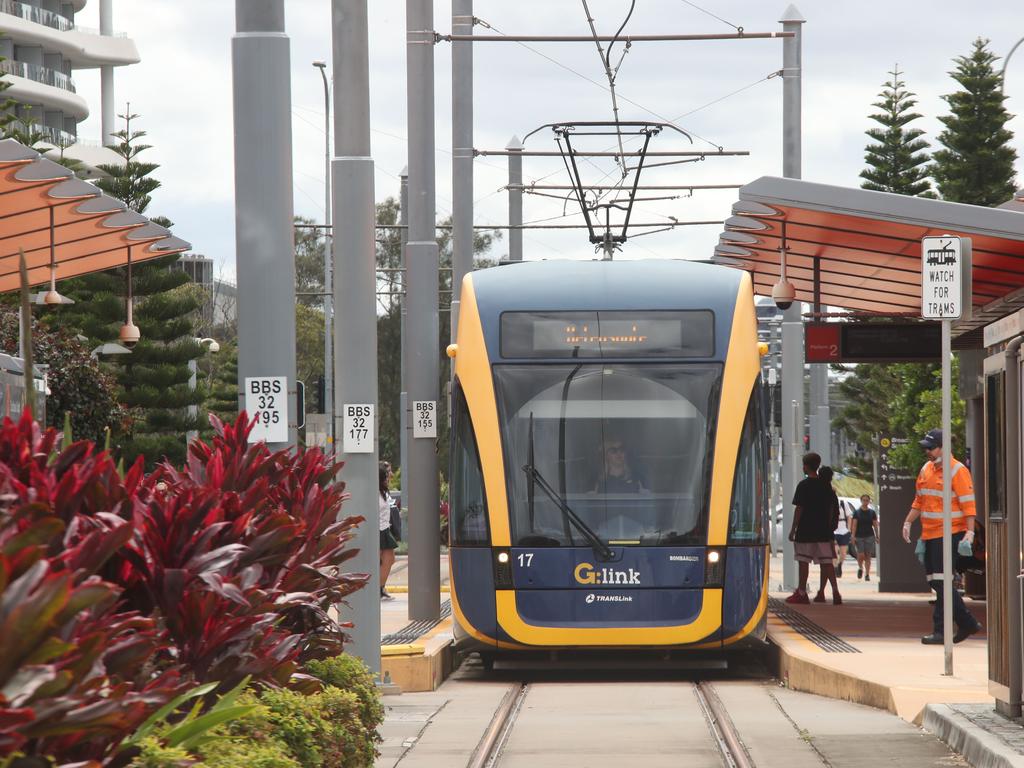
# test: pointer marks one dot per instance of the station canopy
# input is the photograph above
(867, 246)
(65, 224)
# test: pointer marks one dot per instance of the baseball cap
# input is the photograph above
(933, 439)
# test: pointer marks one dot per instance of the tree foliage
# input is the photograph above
(896, 159)
(976, 163)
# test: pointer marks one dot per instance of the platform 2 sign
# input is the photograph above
(266, 402)
(872, 342)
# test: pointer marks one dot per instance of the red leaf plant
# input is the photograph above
(76, 668)
(240, 553)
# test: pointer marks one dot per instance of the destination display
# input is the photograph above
(872, 342)
(607, 334)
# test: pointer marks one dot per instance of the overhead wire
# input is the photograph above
(712, 15)
(620, 161)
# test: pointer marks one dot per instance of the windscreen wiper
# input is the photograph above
(534, 477)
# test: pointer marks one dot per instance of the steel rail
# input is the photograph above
(721, 726)
(487, 749)
(608, 38)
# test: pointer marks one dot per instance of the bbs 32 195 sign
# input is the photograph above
(266, 402)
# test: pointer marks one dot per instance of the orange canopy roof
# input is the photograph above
(867, 246)
(61, 220)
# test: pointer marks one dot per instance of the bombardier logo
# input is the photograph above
(585, 573)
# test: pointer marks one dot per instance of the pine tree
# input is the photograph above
(154, 379)
(976, 164)
(896, 161)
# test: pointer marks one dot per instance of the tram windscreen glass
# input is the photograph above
(627, 446)
(589, 334)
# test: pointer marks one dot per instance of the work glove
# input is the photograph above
(906, 532)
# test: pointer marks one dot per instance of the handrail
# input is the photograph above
(37, 15)
(39, 74)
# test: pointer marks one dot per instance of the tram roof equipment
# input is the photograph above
(66, 226)
(861, 249)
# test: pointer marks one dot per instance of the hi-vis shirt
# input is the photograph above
(929, 497)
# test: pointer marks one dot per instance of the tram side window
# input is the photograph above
(468, 522)
(749, 490)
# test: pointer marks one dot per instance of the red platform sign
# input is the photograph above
(822, 343)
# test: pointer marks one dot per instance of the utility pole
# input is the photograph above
(422, 360)
(462, 155)
(515, 199)
(264, 232)
(328, 290)
(355, 322)
(792, 322)
(403, 420)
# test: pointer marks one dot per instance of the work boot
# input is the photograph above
(963, 633)
(933, 639)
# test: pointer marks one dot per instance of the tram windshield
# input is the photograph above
(626, 446)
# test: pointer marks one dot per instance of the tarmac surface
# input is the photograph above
(826, 707)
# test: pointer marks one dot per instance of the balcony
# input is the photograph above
(37, 15)
(38, 74)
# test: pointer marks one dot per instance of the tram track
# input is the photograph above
(723, 732)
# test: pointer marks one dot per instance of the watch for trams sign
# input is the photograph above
(941, 278)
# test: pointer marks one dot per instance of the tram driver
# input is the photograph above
(617, 475)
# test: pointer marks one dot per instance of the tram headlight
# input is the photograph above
(714, 568)
(503, 569)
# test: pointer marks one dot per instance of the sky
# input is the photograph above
(723, 93)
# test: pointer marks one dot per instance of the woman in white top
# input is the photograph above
(387, 539)
(842, 538)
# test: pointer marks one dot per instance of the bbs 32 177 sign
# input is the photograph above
(266, 402)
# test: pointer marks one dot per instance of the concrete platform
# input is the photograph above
(419, 664)
(892, 670)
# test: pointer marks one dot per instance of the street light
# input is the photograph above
(328, 271)
(193, 410)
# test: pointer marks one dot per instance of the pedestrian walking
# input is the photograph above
(841, 535)
(864, 526)
(813, 522)
(388, 545)
(928, 506)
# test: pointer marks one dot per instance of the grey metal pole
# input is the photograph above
(264, 235)
(1011, 400)
(107, 111)
(355, 322)
(515, 199)
(792, 322)
(328, 265)
(403, 421)
(462, 155)
(421, 349)
(947, 503)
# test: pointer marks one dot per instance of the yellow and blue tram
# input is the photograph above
(609, 479)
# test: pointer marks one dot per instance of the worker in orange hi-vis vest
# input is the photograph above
(928, 506)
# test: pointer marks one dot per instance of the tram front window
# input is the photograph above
(625, 446)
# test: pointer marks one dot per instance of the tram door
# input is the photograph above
(1001, 562)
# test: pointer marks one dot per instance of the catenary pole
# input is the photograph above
(328, 264)
(462, 154)
(792, 321)
(264, 235)
(515, 199)
(355, 321)
(421, 349)
(403, 420)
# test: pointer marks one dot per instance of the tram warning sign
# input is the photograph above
(266, 402)
(357, 428)
(941, 278)
(424, 418)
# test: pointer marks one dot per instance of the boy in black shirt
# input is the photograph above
(815, 519)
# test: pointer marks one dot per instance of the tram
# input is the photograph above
(609, 479)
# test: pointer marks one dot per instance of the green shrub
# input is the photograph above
(295, 719)
(240, 753)
(155, 755)
(350, 674)
(347, 743)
